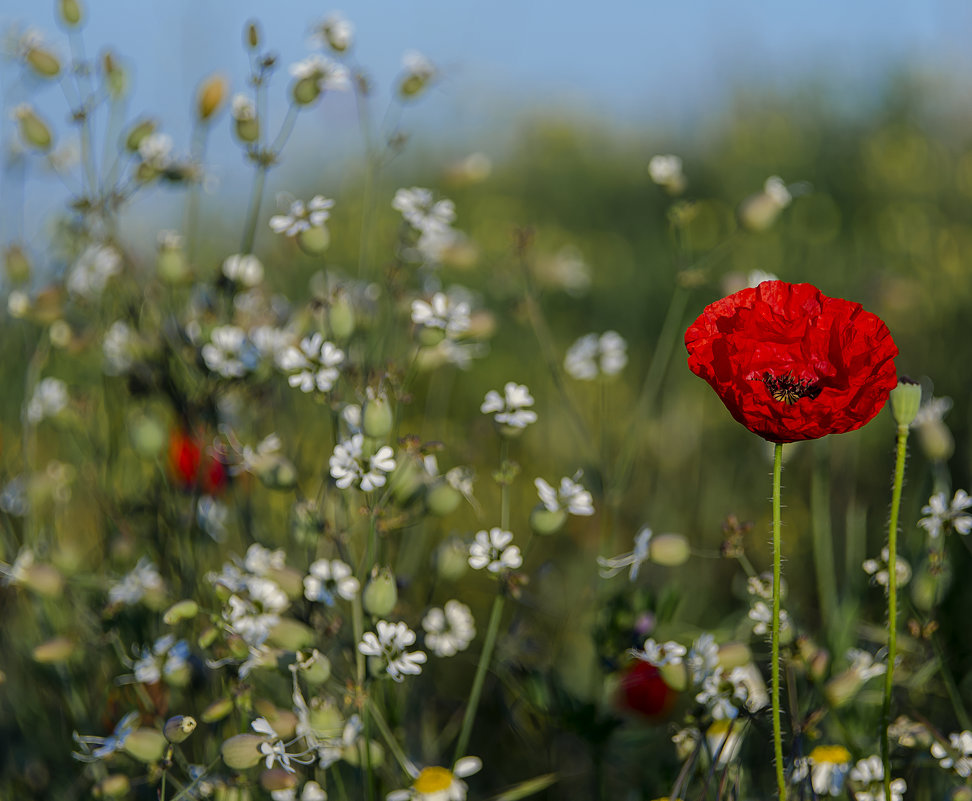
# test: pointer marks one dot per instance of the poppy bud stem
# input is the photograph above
(899, 468)
(775, 668)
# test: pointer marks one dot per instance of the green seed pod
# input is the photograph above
(16, 264)
(430, 337)
(412, 85)
(177, 729)
(212, 94)
(182, 610)
(733, 655)
(354, 754)
(44, 579)
(33, 130)
(326, 718)
(54, 651)
(543, 521)
(452, 559)
(114, 74)
(669, 550)
(442, 499)
(43, 62)
(247, 129)
(242, 751)
(380, 593)
(314, 241)
(70, 11)
(114, 785)
(306, 90)
(936, 440)
(252, 37)
(137, 133)
(147, 435)
(291, 634)
(277, 779)
(377, 418)
(340, 318)
(146, 745)
(905, 401)
(675, 676)
(217, 710)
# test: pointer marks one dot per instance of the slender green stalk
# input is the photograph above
(775, 669)
(386, 732)
(899, 468)
(256, 197)
(489, 643)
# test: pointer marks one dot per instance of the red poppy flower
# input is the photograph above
(791, 363)
(189, 468)
(643, 690)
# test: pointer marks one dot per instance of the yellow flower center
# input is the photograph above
(433, 780)
(834, 754)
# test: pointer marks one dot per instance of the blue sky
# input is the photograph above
(626, 62)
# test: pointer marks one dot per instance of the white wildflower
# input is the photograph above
(449, 630)
(50, 398)
(389, 647)
(593, 355)
(512, 408)
(329, 579)
(492, 550)
(348, 464)
(943, 515)
(569, 496)
(611, 566)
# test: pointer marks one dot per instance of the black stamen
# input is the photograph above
(787, 389)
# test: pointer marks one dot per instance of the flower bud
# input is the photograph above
(279, 474)
(306, 90)
(217, 710)
(247, 129)
(172, 264)
(452, 559)
(340, 317)
(252, 36)
(936, 440)
(242, 751)
(377, 418)
(430, 337)
(44, 579)
(146, 745)
(16, 265)
(733, 655)
(182, 610)
(291, 634)
(380, 593)
(326, 718)
(842, 688)
(33, 130)
(315, 669)
(212, 95)
(676, 676)
(543, 521)
(353, 754)
(137, 133)
(277, 779)
(442, 499)
(314, 241)
(54, 651)
(114, 74)
(177, 729)
(905, 401)
(207, 637)
(147, 435)
(114, 785)
(70, 11)
(43, 62)
(669, 550)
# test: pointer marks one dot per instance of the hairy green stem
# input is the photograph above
(775, 669)
(899, 469)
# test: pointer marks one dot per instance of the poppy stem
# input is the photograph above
(775, 670)
(899, 468)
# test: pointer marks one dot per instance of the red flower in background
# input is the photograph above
(791, 363)
(643, 690)
(191, 468)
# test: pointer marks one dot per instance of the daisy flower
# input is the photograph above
(437, 783)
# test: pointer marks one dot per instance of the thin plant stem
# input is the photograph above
(385, 730)
(256, 197)
(489, 643)
(775, 668)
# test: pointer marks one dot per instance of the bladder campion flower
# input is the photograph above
(791, 363)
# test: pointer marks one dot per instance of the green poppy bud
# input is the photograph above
(905, 402)
(145, 745)
(314, 241)
(543, 521)
(377, 418)
(183, 610)
(177, 729)
(442, 499)
(669, 550)
(70, 11)
(217, 710)
(380, 593)
(242, 751)
(33, 130)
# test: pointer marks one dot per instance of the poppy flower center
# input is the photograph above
(433, 780)
(787, 389)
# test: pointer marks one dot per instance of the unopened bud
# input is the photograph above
(114, 785)
(70, 11)
(377, 418)
(54, 651)
(114, 74)
(669, 550)
(217, 710)
(212, 95)
(733, 655)
(675, 676)
(44, 579)
(172, 264)
(353, 753)
(314, 240)
(33, 130)
(380, 593)
(543, 521)
(146, 745)
(16, 264)
(340, 318)
(242, 751)
(905, 401)
(137, 133)
(291, 634)
(452, 559)
(252, 37)
(43, 62)
(278, 779)
(936, 441)
(177, 729)
(442, 499)
(183, 610)
(842, 688)
(306, 90)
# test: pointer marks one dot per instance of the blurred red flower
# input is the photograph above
(190, 469)
(791, 363)
(643, 690)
